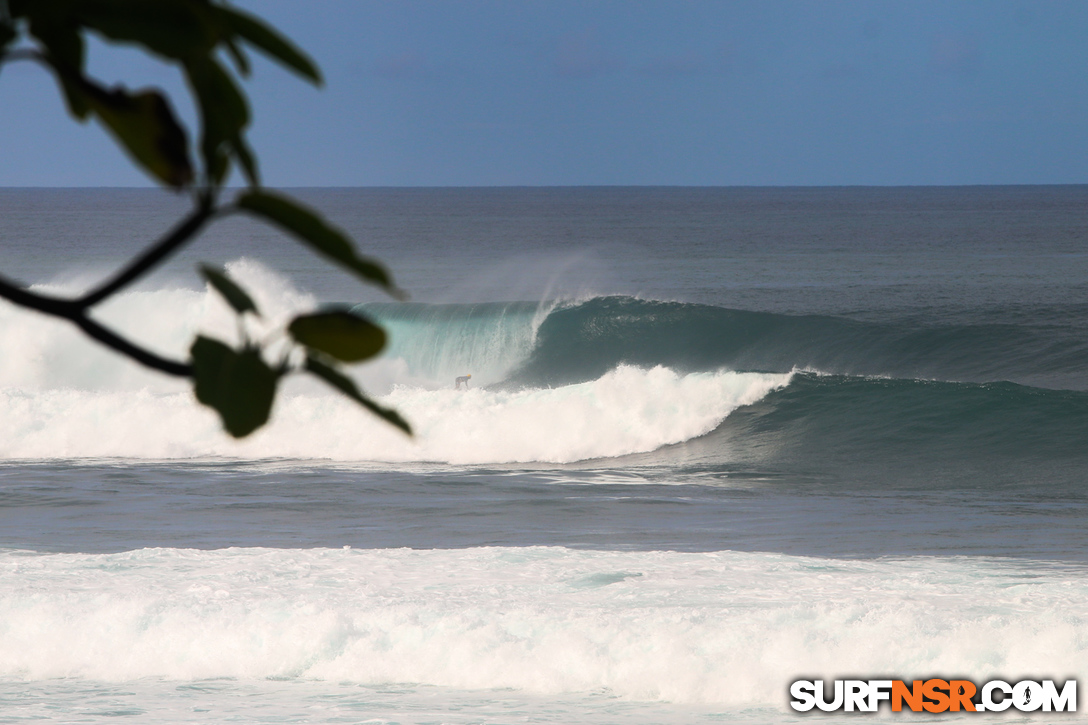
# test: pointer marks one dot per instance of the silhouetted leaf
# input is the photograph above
(7, 33)
(247, 160)
(142, 123)
(223, 112)
(316, 232)
(272, 43)
(172, 29)
(238, 385)
(339, 334)
(235, 295)
(147, 128)
(241, 61)
(345, 385)
(65, 50)
(59, 36)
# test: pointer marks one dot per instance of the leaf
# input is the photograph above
(238, 385)
(272, 43)
(60, 37)
(172, 29)
(247, 160)
(317, 233)
(345, 385)
(339, 334)
(66, 53)
(224, 112)
(143, 123)
(234, 295)
(7, 31)
(241, 62)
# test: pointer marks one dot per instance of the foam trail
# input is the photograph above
(721, 627)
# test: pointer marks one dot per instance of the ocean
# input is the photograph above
(715, 440)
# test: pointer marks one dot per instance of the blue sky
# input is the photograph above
(684, 92)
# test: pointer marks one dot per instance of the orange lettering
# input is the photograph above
(961, 693)
(912, 696)
(938, 701)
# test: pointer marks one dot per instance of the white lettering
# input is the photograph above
(1027, 696)
(879, 690)
(1066, 701)
(857, 695)
(804, 694)
(822, 703)
(988, 696)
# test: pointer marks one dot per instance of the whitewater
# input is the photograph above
(57, 388)
(731, 439)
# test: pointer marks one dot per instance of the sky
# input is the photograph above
(625, 92)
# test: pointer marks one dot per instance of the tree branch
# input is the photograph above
(42, 303)
(76, 314)
(149, 359)
(75, 311)
(177, 237)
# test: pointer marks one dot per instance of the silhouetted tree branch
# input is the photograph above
(193, 35)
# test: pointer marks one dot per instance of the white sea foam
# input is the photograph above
(627, 410)
(62, 396)
(43, 353)
(725, 627)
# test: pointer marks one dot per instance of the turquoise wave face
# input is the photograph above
(530, 344)
(919, 433)
(439, 343)
(583, 341)
(928, 399)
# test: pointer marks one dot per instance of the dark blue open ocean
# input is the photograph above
(716, 440)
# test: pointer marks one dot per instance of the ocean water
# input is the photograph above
(716, 440)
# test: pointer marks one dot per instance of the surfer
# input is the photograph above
(463, 380)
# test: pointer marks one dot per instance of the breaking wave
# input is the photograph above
(555, 382)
